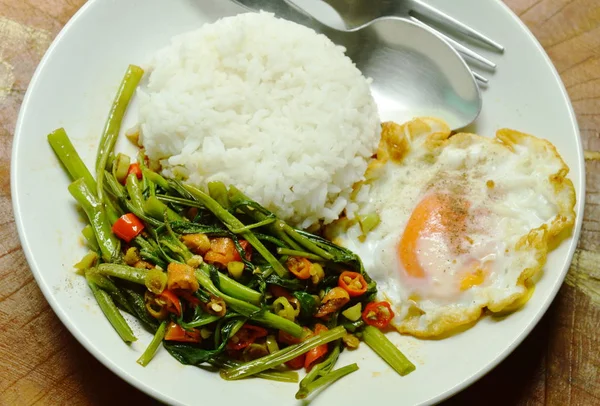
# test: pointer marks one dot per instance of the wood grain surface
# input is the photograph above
(558, 364)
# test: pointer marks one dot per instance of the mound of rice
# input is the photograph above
(266, 105)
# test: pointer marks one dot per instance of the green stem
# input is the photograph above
(253, 226)
(87, 262)
(202, 322)
(109, 245)
(147, 356)
(150, 252)
(180, 201)
(379, 343)
(279, 376)
(154, 208)
(120, 192)
(306, 243)
(136, 301)
(328, 379)
(113, 186)
(232, 223)
(273, 375)
(112, 313)
(155, 178)
(109, 286)
(134, 191)
(295, 253)
(320, 370)
(282, 356)
(249, 310)
(112, 214)
(234, 289)
(128, 273)
(113, 123)
(238, 198)
(218, 191)
(68, 156)
(90, 237)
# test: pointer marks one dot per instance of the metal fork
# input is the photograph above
(356, 13)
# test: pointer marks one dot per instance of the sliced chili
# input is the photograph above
(353, 283)
(289, 339)
(278, 291)
(378, 314)
(172, 303)
(245, 336)
(299, 266)
(315, 355)
(190, 298)
(297, 362)
(127, 227)
(135, 169)
(177, 333)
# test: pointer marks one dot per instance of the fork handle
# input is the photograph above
(433, 14)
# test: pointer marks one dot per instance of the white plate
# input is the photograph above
(74, 86)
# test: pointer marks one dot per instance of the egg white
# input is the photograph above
(508, 201)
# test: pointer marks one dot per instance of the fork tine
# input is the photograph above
(442, 18)
(456, 45)
(479, 77)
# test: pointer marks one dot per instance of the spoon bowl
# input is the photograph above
(414, 71)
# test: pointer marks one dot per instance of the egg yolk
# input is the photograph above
(442, 217)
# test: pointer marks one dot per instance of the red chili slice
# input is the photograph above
(127, 227)
(378, 314)
(353, 283)
(245, 336)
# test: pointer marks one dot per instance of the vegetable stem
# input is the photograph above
(379, 343)
(273, 375)
(296, 253)
(201, 322)
(90, 237)
(68, 156)
(249, 310)
(155, 178)
(109, 245)
(109, 286)
(306, 243)
(113, 123)
(238, 198)
(147, 356)
(281, 356)
(156, 209)
(232, 223)
(128, 273)
(328, 379)
(134, 191)
(112, 313)
(319, 370)
(234, 289)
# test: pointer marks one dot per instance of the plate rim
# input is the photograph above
(148, 389)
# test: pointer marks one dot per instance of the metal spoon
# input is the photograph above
(414, 72)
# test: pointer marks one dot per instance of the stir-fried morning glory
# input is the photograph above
(216, 277)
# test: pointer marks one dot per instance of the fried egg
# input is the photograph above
(465, 224)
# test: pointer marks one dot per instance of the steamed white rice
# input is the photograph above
(266, 105)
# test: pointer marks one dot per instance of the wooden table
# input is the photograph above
(558, 364)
